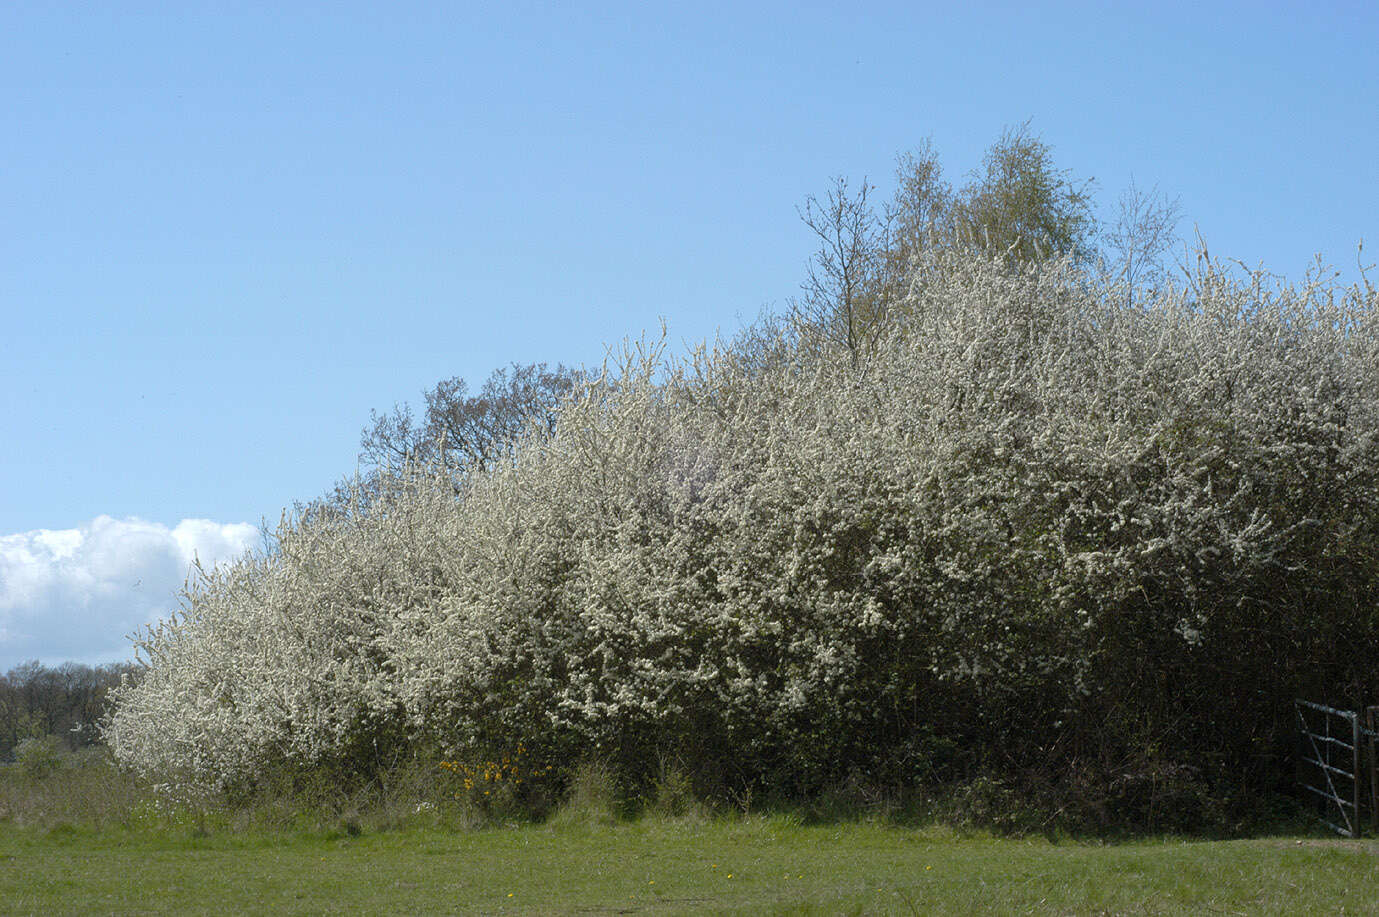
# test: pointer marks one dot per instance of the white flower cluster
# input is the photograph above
(1024, 494)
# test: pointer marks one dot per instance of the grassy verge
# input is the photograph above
(749, 864)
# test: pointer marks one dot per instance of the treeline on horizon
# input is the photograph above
(1000, 501)
(66, 702)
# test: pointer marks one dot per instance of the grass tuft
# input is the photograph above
(592, 798)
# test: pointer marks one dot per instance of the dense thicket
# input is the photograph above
(1037, 533)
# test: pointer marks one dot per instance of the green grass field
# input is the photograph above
(749, 864)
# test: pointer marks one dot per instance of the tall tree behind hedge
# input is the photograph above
(1019, 207)
(1022, 206)
(467, 432)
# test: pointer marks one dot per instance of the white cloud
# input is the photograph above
(77, 593)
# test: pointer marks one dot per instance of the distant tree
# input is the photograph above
(463, 431)
(1019, 206)
(919, 216)
(1022, 204)
(457, 434)
(1143, 230)
(843, 293)
(65, 701)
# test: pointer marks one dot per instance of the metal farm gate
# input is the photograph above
(1336, 764)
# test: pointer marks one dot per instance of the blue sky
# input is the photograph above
(231, 230)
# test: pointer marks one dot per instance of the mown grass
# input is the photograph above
(88, 838)
(724, 865)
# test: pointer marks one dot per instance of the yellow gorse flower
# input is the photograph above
(489, 775)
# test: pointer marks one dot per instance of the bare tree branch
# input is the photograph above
(462, 431)
(1144, 229)
(842, 297)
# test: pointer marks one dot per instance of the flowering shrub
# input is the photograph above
(494, 783)
(1033, 524)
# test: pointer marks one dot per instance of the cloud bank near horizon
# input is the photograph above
(76, 594)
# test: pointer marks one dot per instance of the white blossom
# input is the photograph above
(762, 542)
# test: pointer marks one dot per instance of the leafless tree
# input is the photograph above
(65, 701)
(1144, 229)
(464, 431)
(842, 298)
